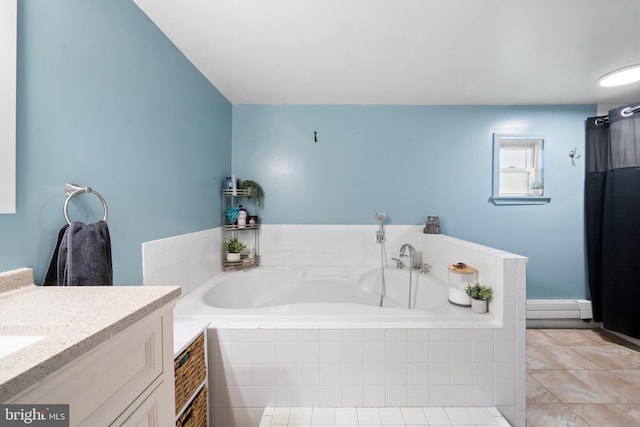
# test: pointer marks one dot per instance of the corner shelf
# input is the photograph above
(242, 264)
(228, 227)
(246, 234)
(236, 193)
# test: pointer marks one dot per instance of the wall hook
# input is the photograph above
(315, 136)
(573, 154)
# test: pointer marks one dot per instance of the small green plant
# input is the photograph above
(255, 190)
(537, 185)
(479, 292)
(234, 246)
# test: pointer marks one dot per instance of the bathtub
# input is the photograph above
(340, 349)
(327, 297)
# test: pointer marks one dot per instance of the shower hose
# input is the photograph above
(384, 285)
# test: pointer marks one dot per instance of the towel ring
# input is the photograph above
(72, 191)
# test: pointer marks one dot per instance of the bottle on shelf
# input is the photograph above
(242, 217)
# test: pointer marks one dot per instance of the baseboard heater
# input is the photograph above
(559, 309)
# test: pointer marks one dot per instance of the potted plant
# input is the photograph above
(233, 247)
(480, 295)
(536, 188)
(255, 191)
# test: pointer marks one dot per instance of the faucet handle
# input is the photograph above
(399, 263)
(425, 268)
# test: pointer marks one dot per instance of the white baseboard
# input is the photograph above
(559, 309)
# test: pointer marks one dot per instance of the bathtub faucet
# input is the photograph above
(413, 259)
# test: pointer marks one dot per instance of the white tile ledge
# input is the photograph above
(392, 416)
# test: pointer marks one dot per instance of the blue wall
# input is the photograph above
(414, 161)
(106, 100)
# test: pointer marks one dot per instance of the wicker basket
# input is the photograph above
(196, 413)
(190, 371)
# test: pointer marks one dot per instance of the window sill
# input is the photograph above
(519, 200)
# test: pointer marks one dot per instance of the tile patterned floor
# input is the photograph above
(582, 378)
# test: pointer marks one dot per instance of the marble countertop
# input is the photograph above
(73, 320)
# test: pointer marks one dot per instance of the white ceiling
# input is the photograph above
(430, 52)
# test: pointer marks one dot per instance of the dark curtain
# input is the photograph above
(612, 212)
(597, 147)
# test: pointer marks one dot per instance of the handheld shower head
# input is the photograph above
(381, 218)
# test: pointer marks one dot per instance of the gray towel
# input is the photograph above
(84, 256)
(51, 278)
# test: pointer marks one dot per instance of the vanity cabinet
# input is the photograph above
(191, 374)
(127, 380)
(248, 234)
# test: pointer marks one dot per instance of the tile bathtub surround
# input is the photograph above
(307, 245)
(581, 377)
(301, 244)
(360, 368)
(187, 260)
(190, 260)
(392, 417)
(255, 368)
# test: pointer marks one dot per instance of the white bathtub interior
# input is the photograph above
(350, 362)
(327, 297)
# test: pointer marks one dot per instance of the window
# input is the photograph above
(519, 166)
(518, 173)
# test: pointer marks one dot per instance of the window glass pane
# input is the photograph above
(514, 183)
(513, 158)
